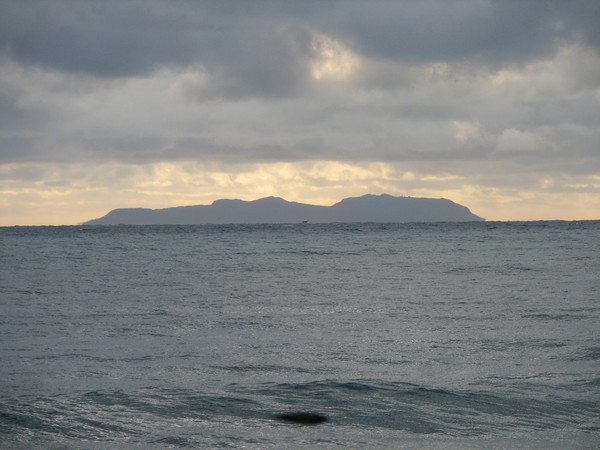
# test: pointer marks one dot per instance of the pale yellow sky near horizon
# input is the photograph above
(76, 194)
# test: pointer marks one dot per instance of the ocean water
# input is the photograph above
(448, 335)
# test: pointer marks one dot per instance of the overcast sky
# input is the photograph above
(107, 104)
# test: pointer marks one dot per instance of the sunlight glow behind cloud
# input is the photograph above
(331, 59)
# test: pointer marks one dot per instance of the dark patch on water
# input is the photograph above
(503, 346)
(176, 403)
(301, 418)
(173, 441)
(591, 353)
(594, 382)
(22, 420)
(263, 368)
(545, 316)
(585, 354)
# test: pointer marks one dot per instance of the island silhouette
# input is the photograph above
(368, 208)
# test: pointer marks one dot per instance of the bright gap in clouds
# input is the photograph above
(331, 59)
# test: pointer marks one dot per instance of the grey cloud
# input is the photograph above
(23, 173)
(494, 32)
(103, 39)
(23, 148)
(261, 42)
(15, 118)
(254, 101)
(271, 63)
(245, 53)
(57, 183)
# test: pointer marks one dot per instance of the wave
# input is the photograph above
(590, 353)
(413, 409)
(420, 409)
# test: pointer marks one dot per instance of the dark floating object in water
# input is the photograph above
(301, 418)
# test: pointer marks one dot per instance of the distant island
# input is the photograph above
(368, 208)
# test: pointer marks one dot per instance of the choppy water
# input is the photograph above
(476, 335)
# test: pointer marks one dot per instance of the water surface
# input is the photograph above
(465, 335)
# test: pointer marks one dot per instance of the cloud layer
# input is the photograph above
(499, 97)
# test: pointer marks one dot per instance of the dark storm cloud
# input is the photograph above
(243, 47)
(98, 38)
(493, 32)
(265, 43)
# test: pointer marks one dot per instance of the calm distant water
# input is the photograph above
(473, 335)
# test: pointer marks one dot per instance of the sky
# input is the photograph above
(115, 104)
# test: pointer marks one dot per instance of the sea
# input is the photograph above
(423, 335)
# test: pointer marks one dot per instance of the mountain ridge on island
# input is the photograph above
(368, 208)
